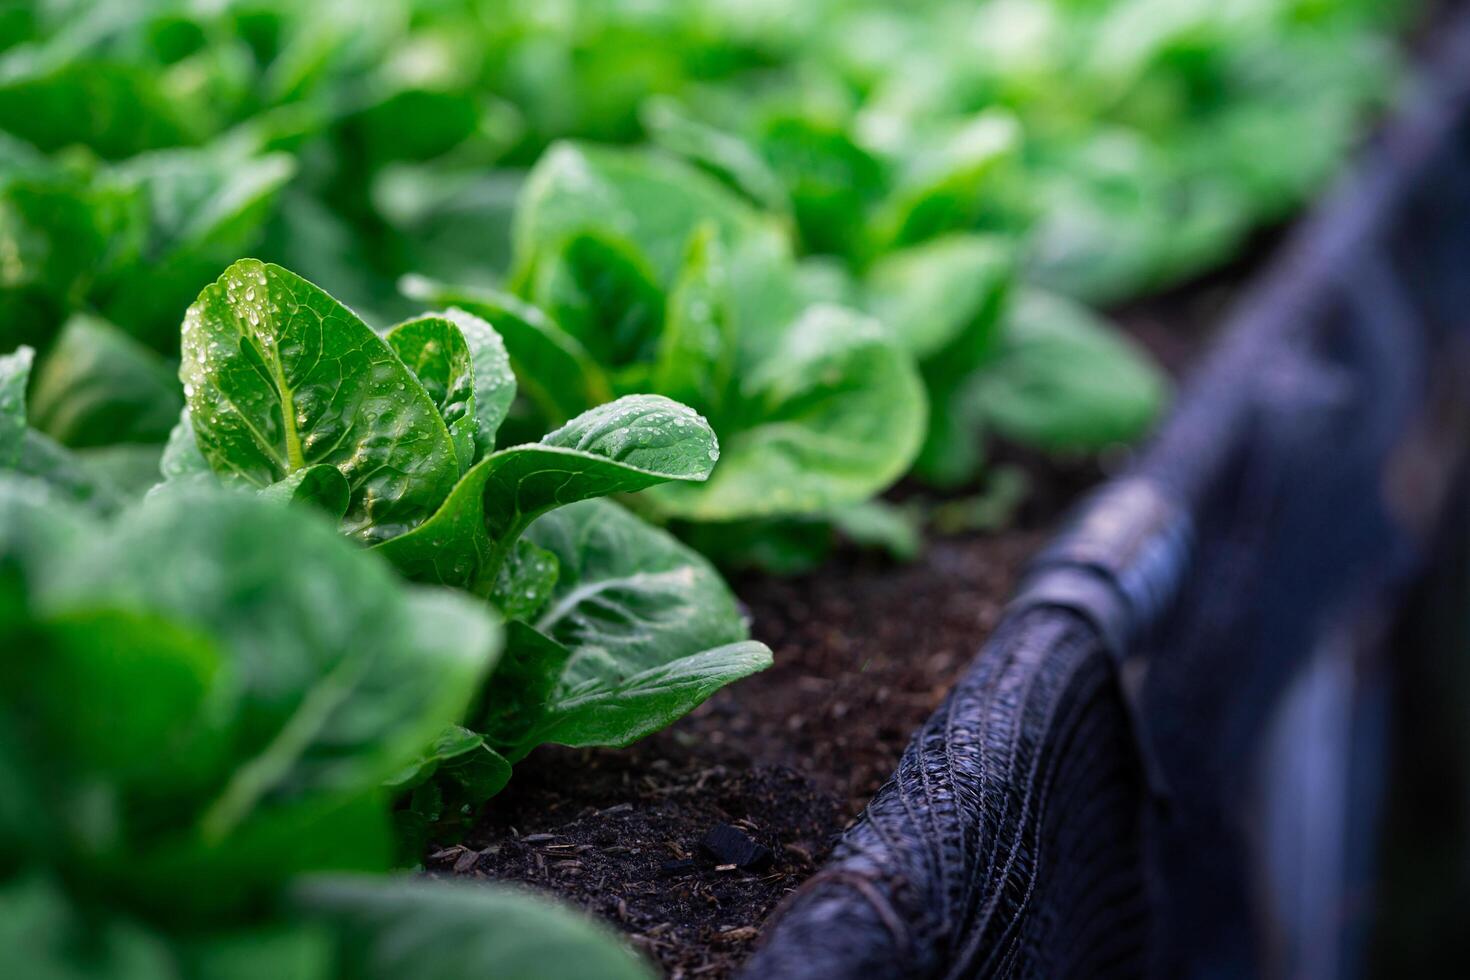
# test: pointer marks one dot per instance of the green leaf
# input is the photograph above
(650, 629)
(46, 937)
(656, 203)
(452, 216)
(932, 295)
(436, 352)
(616, 710)
(495, 381)
(727, 157)
(464, 752)
(321, 486)
(27, 452)
(628, 445)
(61, 469)
(519, 694)
(833, 415)
(833, 182)
(15, 374)
(943, 300)
(1063, 380)
(286, 950)
(946, 185)
(204, 208)
(98, 386)
(168, 672)
(60, 231)
(130, 470)
(444, 789)
(410, 929)
(599, 288)
(115, 108)
(525, 581)
(182, 459)
(338, 676)
(552, 367)
(696, 351)
(278, 376)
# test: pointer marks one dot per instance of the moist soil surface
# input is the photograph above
(776, 766)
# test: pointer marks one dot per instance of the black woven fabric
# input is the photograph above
(1179, 698)
(940, 876)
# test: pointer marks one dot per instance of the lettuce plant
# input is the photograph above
(615, 630)
(1002, 358)
(203, 698)
(638, 272)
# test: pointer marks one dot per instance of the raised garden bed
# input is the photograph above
(344, 561)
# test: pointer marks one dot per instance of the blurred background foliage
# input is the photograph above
(1127, 143)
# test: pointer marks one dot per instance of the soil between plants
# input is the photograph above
(865, 649)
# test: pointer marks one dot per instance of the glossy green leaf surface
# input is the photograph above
(436, 352)
(649, 629)
(279, 376)
(627, 445)
(552, 369)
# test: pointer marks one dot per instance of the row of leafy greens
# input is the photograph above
(205, 697)
(857, 248)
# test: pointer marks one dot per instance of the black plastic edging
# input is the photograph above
(1099, 793)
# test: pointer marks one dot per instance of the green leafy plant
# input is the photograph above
(616, 628)
(645, 274)
(916, 165)
(204, 697)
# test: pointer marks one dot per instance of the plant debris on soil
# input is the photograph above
(689, 840)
